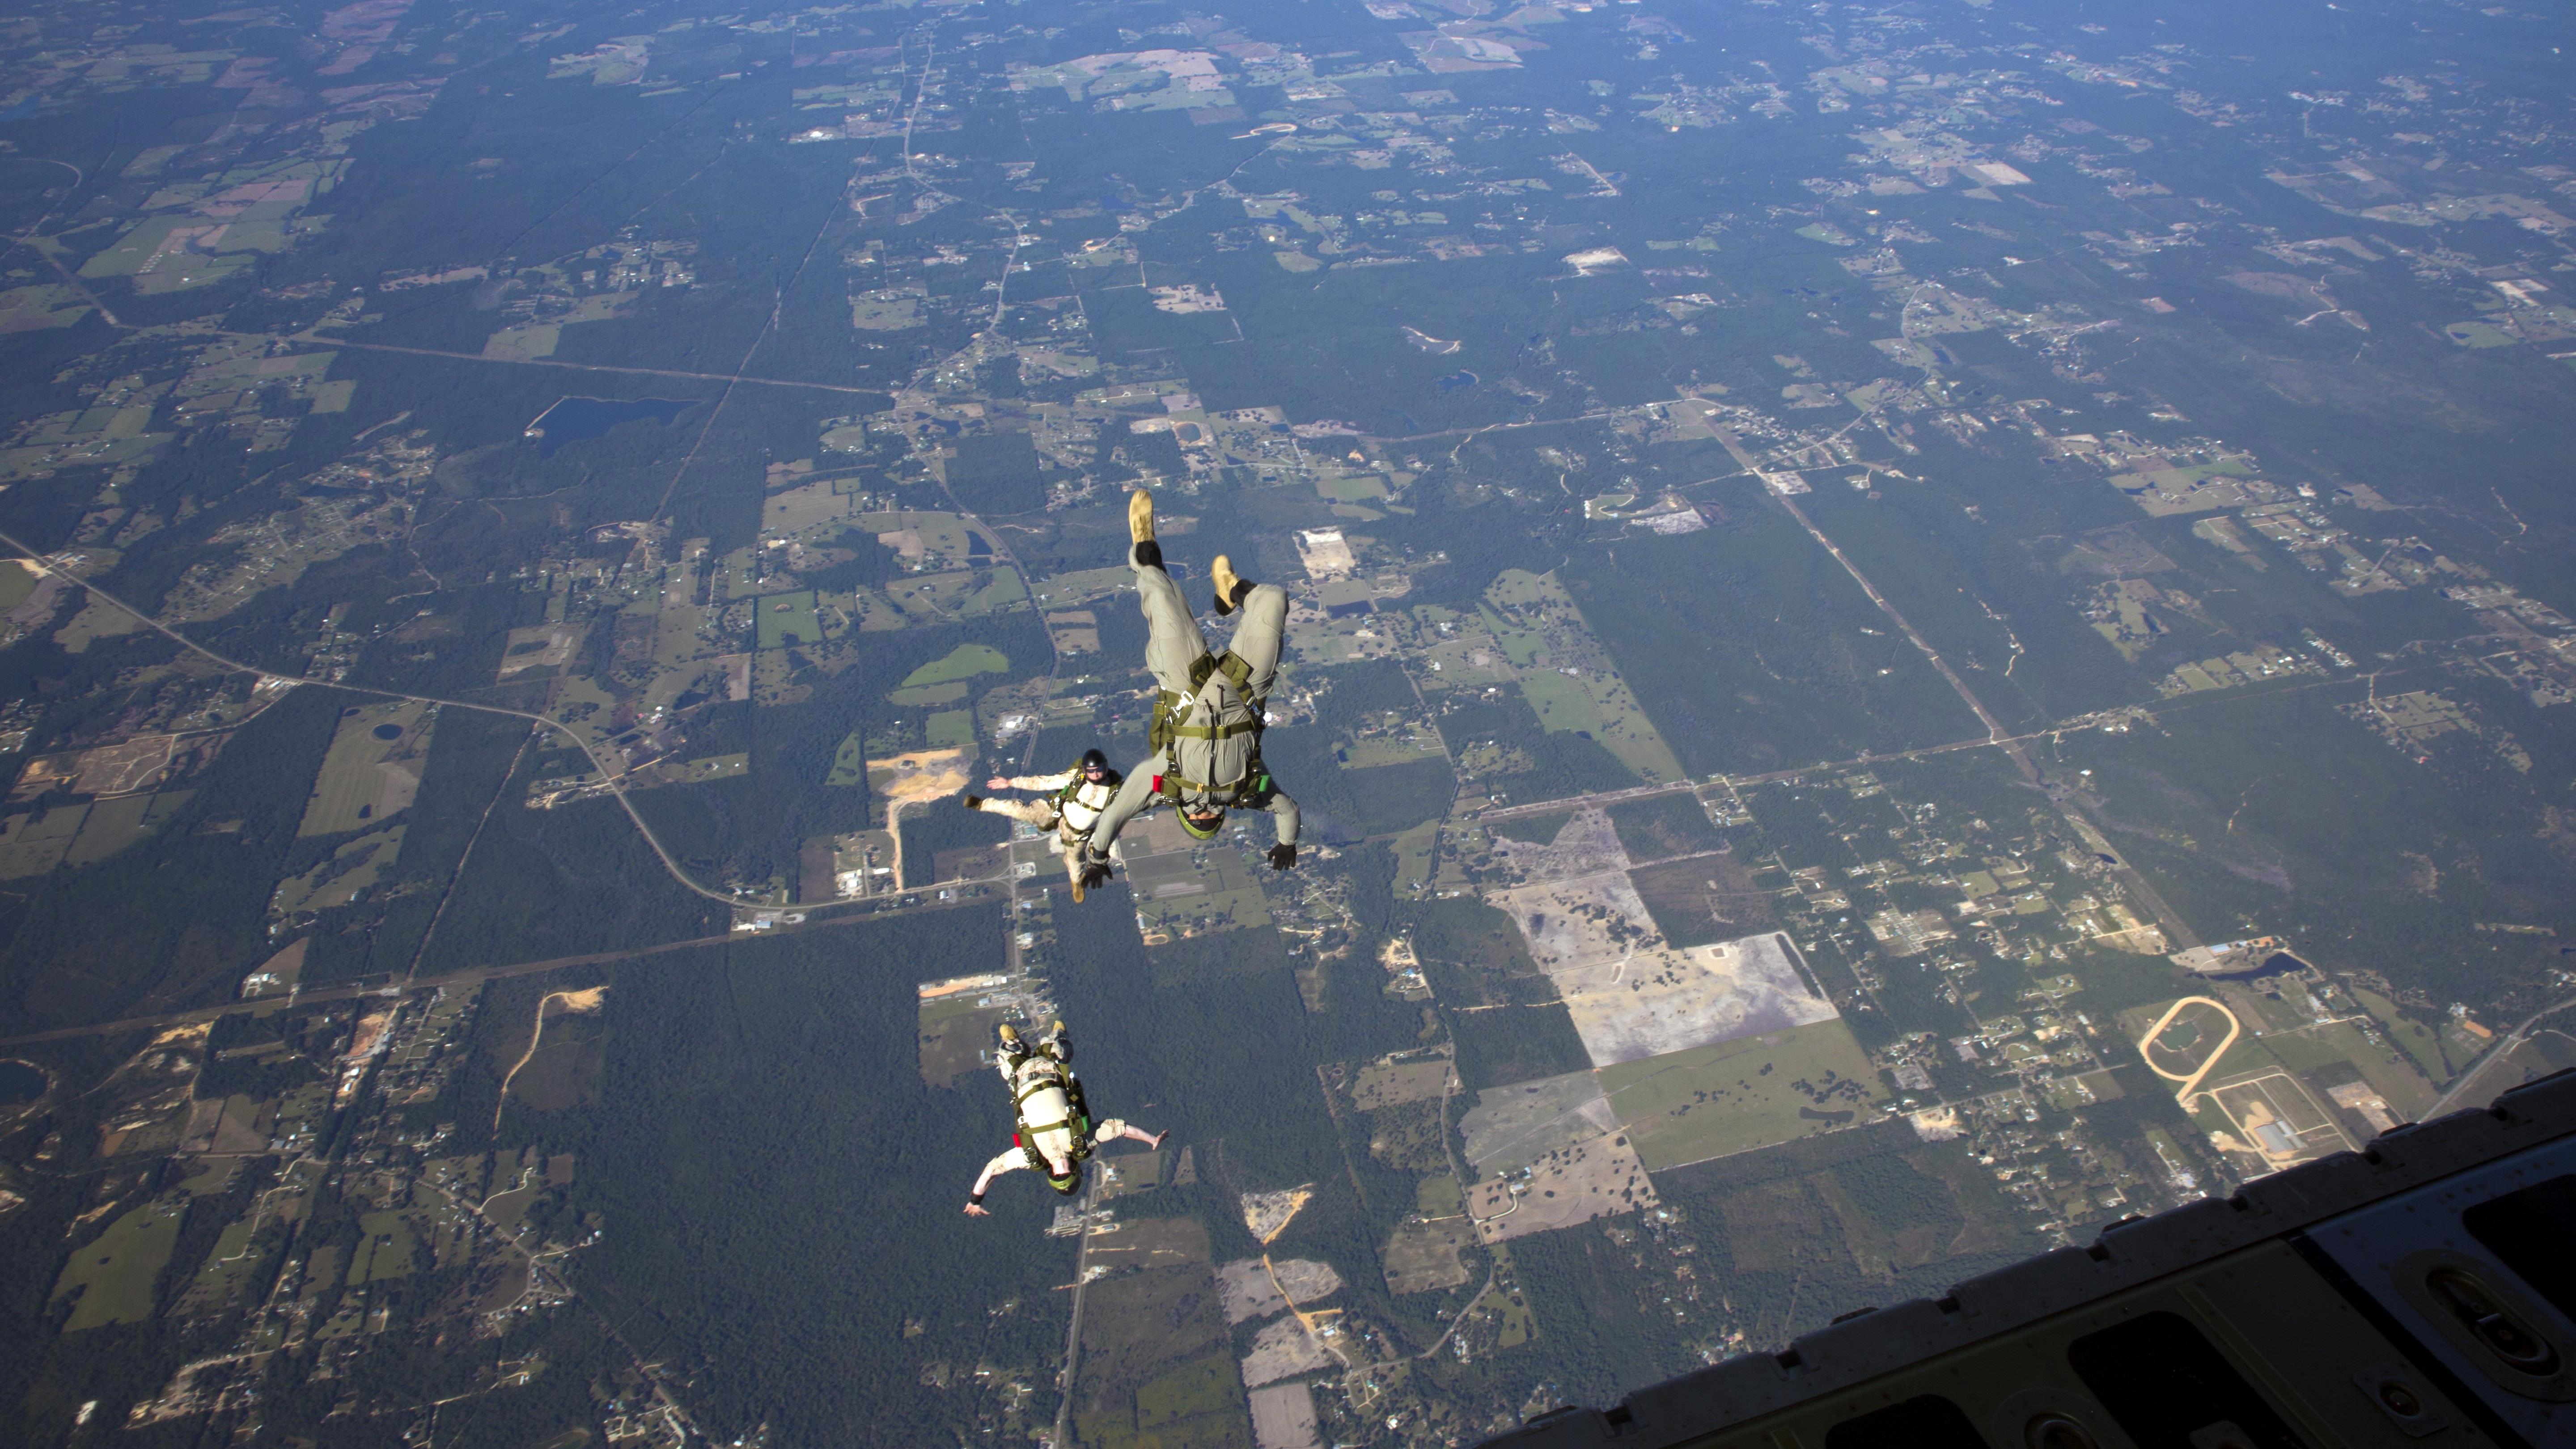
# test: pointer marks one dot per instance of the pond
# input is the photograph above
(574, 419)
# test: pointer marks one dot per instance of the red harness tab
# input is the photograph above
(1158, 784)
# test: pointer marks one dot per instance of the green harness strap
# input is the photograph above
(1072, 789)
(1172, 707)
(1079, 1151)
(1253, 785)
(1168, 727)
(1077, 1117)
(1067, 795)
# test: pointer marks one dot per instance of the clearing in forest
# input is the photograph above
(372, 769)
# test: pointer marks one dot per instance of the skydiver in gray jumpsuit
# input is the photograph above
(1206, 730)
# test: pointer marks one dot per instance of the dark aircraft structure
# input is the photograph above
(2421, 1292)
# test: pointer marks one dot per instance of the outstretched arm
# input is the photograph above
(1052, 782)
(1010, 1161)
(1283, 811)
(1132, 798)
(1129, 1131)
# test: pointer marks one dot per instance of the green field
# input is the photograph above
(1223, 908)
(2388, 1070)
(1204, 1387)
(966, 593)
(1518, 588)
(1188, 892)
(1414, 852)
(788, 619)
(1520, 646)
(1066, 589)
(999, 590)
(1519, 1323)
(1532, 829)
(352, 869)
(29, 309)
(134, 248)
(926, 695)
(32, 845)
(952, 729)
(1438, 1197)
(850, 761)
(1389, 750)
(1712, 1101)
(115, 1274)
(1561, 702)
(2417, 1040)
(385, 1251)
(962, 663)
(16, 583)
(712, 767)
(2479, 334)
(1157, 1367)
(227, 1271)
(112, 825)
(185, 269)
(1567, 676)
(954, 1033)
(367, 775)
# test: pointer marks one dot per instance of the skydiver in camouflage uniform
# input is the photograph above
(1070, 808)
(1052, 1128)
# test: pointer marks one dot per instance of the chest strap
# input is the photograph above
(1252, 786)
(1172, 707)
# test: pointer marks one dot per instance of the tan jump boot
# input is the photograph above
(1230, 587)
(1144, 552)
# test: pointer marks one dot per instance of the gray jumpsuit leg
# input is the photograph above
(1172, 638)
(1256, 637)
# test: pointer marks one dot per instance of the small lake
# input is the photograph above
(573, 419)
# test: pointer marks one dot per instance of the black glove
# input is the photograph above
(1095, 871)
(1282, 856)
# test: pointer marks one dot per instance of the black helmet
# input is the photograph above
(1093, 760)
